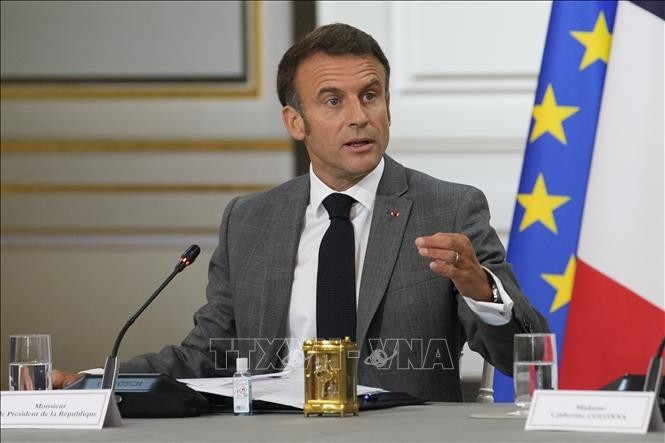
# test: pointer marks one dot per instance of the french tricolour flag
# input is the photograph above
(587, 239)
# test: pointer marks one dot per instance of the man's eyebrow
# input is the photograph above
(336, 91)
(328, 90)
(374, 83)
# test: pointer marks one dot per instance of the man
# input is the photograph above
(427, 270)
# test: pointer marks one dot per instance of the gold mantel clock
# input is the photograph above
(331, 376)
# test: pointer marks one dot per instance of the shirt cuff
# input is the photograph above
(495, 314)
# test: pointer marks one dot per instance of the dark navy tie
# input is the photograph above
(336, 278)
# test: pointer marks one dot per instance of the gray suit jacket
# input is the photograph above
(411, 323)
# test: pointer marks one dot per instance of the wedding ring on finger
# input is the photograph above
(456, 258)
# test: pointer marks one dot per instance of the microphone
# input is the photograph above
(111, 366)
(187, 258)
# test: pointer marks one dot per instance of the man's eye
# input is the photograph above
(332, 101)
(370, 96)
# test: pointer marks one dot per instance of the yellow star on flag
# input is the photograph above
(549, 117)
(597, 42)
(539, 206)
(563, 283)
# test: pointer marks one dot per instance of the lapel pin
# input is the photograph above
(394, 213)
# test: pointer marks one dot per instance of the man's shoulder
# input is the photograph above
(421, 183)
(286, 193)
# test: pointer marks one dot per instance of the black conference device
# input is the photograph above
(150, 396)
(653, 381)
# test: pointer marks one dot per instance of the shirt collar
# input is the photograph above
(364, 191)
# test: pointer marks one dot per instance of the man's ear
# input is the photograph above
(388, 108)
(293, 122)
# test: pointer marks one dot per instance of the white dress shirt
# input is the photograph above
(302, 309)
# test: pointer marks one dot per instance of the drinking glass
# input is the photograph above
(29, 362)
(534, 367)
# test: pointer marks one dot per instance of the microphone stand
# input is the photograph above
(486, 391)
(111, 366)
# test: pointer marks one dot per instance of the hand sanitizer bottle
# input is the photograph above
(242, 389)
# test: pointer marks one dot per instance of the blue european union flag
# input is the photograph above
(550, 201)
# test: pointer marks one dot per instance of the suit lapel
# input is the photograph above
(391, 213)
(282, 242)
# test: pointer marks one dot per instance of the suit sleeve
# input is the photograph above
(203, 353)
(494, 343)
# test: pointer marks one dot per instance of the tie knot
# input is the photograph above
(338, 205)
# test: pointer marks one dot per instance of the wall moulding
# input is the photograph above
(214, 85)
(14, 146)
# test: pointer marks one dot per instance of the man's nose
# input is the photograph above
(357, 113)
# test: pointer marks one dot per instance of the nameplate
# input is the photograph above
(61, 409)
(594, 411)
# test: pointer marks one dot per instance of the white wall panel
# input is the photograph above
(467, 46)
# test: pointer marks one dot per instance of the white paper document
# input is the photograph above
(284, 388)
